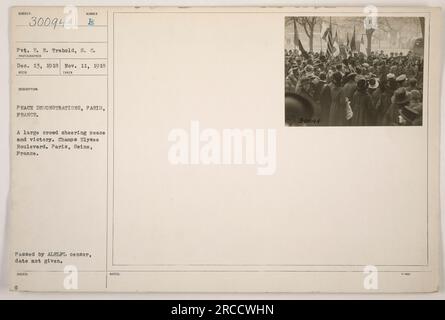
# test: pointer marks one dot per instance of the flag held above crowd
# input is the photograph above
(352, 45)
(346, 37)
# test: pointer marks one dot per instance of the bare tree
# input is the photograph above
(308, 24)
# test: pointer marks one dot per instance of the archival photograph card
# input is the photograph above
(224, 149)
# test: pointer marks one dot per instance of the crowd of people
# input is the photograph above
(379, 89)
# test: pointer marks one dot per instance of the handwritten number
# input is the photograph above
(33, 22)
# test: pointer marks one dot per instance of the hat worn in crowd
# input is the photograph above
(297, 106)
(401, 78)
(361, 84)
(415, 95)
(373, 83)
(336, 78)
(309, 69)
(351, 76)
(390, 76)
(400, 96)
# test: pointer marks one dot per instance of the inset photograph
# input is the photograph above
(354, 71)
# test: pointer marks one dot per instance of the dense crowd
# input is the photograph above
(360, 90)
